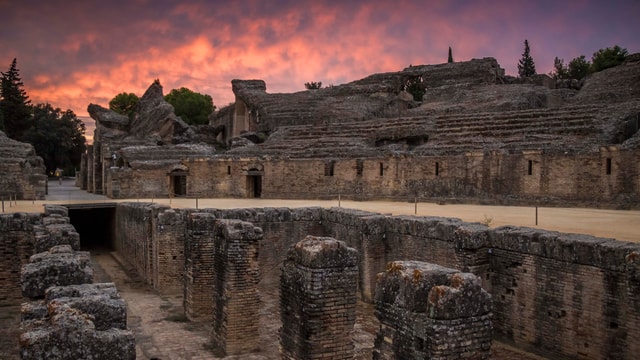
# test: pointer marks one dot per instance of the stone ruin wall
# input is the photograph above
(66, 315)
(23, 172)
(608, 178)
(578, 293)
(17, 235)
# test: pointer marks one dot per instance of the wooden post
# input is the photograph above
(536, 215)
(415, 207)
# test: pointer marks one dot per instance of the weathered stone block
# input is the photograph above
(69, 334)
(58, 266)
(102, 301)
(429, 311)
(318, 299)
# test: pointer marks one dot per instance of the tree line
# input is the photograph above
(192, 107)
(57, 135)
(578, 68)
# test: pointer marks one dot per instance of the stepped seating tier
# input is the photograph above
(446, 133)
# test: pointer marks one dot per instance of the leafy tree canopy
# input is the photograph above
(124, 103)
(313, 85)
(607, 58)
(14, 103)
(578, 68)
(559, 69)
(194, 108)
(526, 65)
(57, 136)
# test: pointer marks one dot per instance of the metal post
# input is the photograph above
(536, 215)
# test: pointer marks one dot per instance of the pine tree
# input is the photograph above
(14, 103)
(526, 66)
(450, 58)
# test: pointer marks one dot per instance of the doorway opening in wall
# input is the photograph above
(96, 225)
(179, 183)
(254, 184)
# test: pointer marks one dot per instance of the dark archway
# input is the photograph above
(96, 225)
(178, 183)
(254, 183)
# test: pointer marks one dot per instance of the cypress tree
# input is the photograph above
(14, 103)
(526, 66)
(450, 58)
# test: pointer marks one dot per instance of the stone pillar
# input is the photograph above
(199, 273)
(427, 311)
(236, 301)
(318, 288)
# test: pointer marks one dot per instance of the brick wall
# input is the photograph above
(17, 237)
(559, 294)
(199, 278)
(318, 300)
(236, 301)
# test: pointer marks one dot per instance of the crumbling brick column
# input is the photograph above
(428, 311)
(318, 288)
(236, 301)
(199, 273)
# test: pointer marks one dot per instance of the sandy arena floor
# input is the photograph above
(618, 224)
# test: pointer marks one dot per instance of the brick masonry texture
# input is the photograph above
(427, 311)
(318, 300)
(557, 294)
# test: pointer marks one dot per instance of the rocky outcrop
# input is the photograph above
(23, 172)
(153, 122)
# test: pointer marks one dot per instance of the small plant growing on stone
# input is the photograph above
(486, 221)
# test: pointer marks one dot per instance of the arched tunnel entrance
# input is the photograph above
(96, 225)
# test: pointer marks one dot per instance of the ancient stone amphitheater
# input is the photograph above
(477, 135)
(442, 288)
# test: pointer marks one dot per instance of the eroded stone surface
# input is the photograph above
(68, 333)
(58, 266)
(432, 312)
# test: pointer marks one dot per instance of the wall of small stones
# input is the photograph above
(427, 311)
(236, 301)
(606, 178)
(318, 300)
(68, 317)
(578, 293)
(17, 237)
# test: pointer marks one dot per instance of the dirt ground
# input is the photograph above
(623, 225)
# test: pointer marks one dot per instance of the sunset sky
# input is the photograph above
(72, 53)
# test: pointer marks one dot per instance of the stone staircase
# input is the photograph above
(578, 126)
